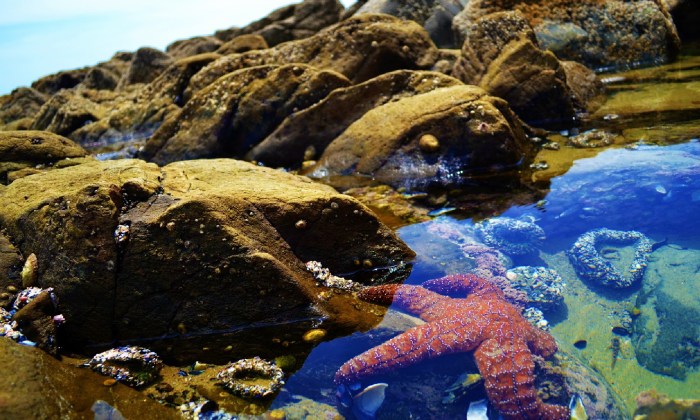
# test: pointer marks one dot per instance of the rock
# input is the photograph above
(193, 46)
(66, 112)
(587, 90)
(134, 117)
(636, 33)
(291, 22)
(485, 41)
(237, 111)
(360, 48)
(533, 83)
(566, 375)
(35, 385)
(22, 103)
(318, 125)
(36, 321)
(477, 133)
(146, 64)
(686, 15)
(101, 78)
(131, 365)
(20, 149)
(654, 405)
(243, 43)
(51, 84)
(435, 16)
(665, 332)
(501, 55)
(10, 264)
(199, 247)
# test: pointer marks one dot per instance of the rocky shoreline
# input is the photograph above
(172, 199)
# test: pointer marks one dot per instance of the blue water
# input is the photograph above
(651, 189)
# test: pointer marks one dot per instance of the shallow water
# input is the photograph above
(642, 337)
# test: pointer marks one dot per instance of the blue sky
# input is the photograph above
(40, 37)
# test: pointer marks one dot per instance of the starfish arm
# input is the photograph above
(509, 378)
(463, 284)
(416, 344)
(541, 342)
(413, 299)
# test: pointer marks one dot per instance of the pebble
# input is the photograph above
(314, 336)
(429, 143)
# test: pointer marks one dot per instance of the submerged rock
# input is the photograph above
(654, 405)
(593, 265)
(477, 134)
(205, 244)
(666, 329)
(132, 365)
(511, 236)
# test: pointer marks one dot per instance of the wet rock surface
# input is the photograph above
(314, 128)
(196, 246)
(39, 386)
(475, 133)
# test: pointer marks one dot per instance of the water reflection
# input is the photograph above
(637, 338)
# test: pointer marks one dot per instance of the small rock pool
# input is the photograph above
(608, 255)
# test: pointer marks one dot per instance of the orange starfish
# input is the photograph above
(502, 340)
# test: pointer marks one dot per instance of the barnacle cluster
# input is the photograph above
(132, 365)
(240, 377)
(591, 265)
(511, 236)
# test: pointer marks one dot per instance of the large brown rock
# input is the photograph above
(237, 111)
(435, 16)
(66, 112)
(288, 23)
(306, 133)
(134, 116)
(597, 33)
(37, 147)
(25, 150)
(502, 56)
(243, 43)
(21, 103)
(201, 249)
(37, 386)
(193, 46)
(360, 48)
(147, 63)
(437, 139)
(53, 83)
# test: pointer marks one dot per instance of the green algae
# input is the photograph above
(591, 315)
